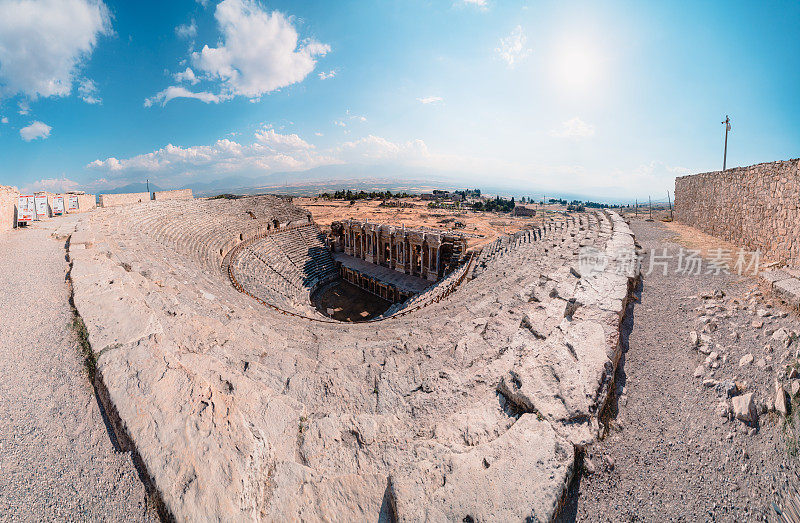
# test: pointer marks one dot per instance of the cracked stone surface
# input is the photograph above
(469, 407)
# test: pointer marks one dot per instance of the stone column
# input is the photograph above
(433, 275)
(392, 251)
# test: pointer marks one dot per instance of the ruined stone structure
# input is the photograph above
(756, 207)
(9, 199)
(8, 207)
(418, 252)
(111, 200)
(469, 404)
(86, 202)
(178, 194)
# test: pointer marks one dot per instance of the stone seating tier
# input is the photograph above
(471, 407)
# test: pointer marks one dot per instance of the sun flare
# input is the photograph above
(577, 65)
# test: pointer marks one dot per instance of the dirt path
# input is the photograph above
(56, 459)
(670, 455)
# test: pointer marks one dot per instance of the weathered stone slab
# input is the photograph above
(774, 275)
(788, 290)
(520, 476)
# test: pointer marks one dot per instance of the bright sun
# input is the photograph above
(577, 65)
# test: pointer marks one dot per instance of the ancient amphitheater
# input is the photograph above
(240, 399)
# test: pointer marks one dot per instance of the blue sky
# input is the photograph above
(609, 99)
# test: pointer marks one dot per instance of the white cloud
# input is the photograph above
(270, 152)
(35, 130)
(356, 117)
(56, 185)
(375, 148)
(339, 123)
(282, 142)
(24, 107)
(325, 76)
(573, 128)
(273, 152)
(481, 4)
(258, 53)
(4, 119)
(172, 92)
(186, 76)
(430, 99)
(88, 91)
(187, 30)
(43, 44)
(512, 48)
(318, 134)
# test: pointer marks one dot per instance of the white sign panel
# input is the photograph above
(41, 206)
(25, 209)
(72, 203)
(58, 205)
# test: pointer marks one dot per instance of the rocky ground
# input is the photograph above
(56, 459)
(695, 434)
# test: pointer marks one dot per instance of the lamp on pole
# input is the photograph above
(727, 123)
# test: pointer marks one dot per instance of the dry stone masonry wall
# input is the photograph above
(8, 207)
(179, 194)
(86, 202)
(470, 408)
(112, 200)
(757, 207)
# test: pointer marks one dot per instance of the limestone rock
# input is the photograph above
(780, 399)
(780, 335)
(745, 360)
(727, 388)
(588, 466)
(744, 408)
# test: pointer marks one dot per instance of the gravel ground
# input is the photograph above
(669, 455)
(56, 459)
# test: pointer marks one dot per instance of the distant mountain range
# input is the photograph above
(133, 187)
(356, 177)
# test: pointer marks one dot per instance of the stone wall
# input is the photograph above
(86, 202)
(179, 194)
(112, 200)
(8, 207)
(756, 207)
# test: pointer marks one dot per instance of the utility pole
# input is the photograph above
(670, 207)
(636, 208)
(148, 185)
(650, 206)
(727, 123)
